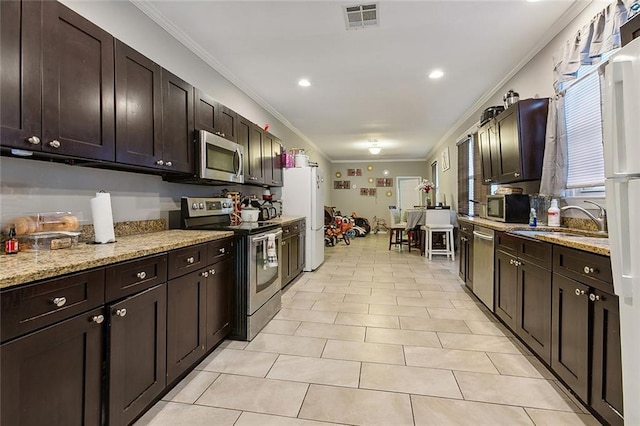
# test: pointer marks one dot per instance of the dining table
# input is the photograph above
(417, 217)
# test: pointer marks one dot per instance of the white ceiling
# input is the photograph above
(369, 83)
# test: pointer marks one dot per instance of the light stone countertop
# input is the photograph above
(285, 220)
(27, 266)
(586, 241)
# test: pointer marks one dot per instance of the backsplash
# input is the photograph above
(123, 229)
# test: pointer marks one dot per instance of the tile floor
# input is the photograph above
(373, 337)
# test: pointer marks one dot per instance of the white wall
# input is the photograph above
(35, 186)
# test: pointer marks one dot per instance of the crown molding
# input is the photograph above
(391, 160)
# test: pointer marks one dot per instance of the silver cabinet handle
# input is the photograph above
(205, 274)
(98, 319)
(212, 271)
(190, 260)
(60, 301)
(516, 175)
(594, 298)
(142, 275)
(588, 270)
(121, 312)
(54, 144)
(579, 292)
(160, 163)
(34, 140)
(168, 164)
(222, 250)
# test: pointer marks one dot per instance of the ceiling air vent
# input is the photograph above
(361, 16)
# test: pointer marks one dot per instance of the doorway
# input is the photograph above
(408, 197)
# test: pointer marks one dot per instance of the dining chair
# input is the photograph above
(396, 229)
(437, 220)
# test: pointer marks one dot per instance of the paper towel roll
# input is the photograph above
(102, 218)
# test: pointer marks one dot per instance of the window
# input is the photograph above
(471, 191)
(434, 174)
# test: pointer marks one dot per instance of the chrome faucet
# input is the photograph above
(601, 220)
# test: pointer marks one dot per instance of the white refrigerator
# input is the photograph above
(302, 195)
(621, 117)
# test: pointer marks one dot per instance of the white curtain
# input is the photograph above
(554, 167)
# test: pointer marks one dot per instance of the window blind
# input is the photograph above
(463, 178)
(583, 116)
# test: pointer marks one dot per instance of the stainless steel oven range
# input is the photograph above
(257, 285)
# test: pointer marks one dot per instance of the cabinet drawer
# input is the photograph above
(125, 279)
(219, 250)
(465, 228)
(188, 259)
(585, 267)
(41, 304)
(507, 243)
(296, 227)
(287, 231)
(536, 252)
(303, 225)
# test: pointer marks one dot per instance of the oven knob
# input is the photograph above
(194, 206)
(201, 205)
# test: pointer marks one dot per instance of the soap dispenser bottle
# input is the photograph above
(553, 214)
(533, 220)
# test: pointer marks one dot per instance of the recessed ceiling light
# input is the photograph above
(436, 74)
(532, 1)
(304, 82)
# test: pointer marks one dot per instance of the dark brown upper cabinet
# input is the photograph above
(76, 104)
(250, 137)
(512, 145)
(215, 117)
(155, 127)
(272, 160)
(20, 74)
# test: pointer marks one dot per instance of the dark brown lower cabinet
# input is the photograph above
(533, 320)
(137, 353)
(186, 306)
(606, 368)
(219, 301)
(54, 376)
(506, 288)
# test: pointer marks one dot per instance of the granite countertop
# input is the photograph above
(285, 220)
(586, 241)
(26, 266)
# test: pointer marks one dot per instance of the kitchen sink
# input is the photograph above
(560, 234)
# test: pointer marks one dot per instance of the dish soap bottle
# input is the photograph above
(11, 245)
(533, 220)
(553, 214)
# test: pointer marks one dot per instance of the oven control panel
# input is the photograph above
(197, 207)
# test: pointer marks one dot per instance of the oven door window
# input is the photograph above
(265, 276)
(220, 159)
(495, 207)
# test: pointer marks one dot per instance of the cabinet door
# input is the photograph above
(509, 147)
(53, 376)
(78, 85)
(228, 123)
(219, 302)
(285, 261)
(138, 108)
(294, 254)
(215, 117)
(506, 288)
(256, 141)
(186, 312)
(488, 153)
(137, 353)
(302, 250)
(244, 139)
(177, 124)
(570, 333)
(606, 370)
(533, 324)
(272, 160)
(20, 48)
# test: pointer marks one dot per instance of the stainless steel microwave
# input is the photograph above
(219, 159)
(511, 208)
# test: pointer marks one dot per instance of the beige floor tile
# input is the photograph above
(403, 337)
(476, 342)
(254, 394)
(372, 284)
(471, 303)
(313, 287)
(281, 327)
(488, 328)
(451, 295)
(360, 351)
(520, 365)
(331, 331)
(328, 282)
(342, 273)
(233, 344)
(172, 413)
(387, 277)
(356, 406)
(316, 370)
(255, 419)
(355, 308)
(310, 316)
(416, 286)
(297, 303)
(554, 418)
(348, 290)
(450, 359)
(290, 345)
(459, 314)
(521, 391)
(429, 324)
(430, 411)
(407, 311)
(377, 300)
(414, 380)
(191, 387)
(384, 321)
(245, 363)
(289, 293)
(395, 292)
(327, 297)
(427, 303)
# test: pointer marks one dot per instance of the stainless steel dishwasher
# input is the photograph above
(483, 264)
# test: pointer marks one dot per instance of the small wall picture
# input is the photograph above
(364, 191)
(372, 192)
(384, 182)
(341, 184)
(445, 160)
(354, 172)
(358, 172)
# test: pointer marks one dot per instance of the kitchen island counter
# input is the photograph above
(26, 267)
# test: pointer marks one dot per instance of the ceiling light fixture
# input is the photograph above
(373, 147)
(436, 74)
(304, 82)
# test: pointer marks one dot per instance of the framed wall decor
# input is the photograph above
(445, 160)
(384, 182)
(341, 184)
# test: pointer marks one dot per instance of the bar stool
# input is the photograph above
(438, 221)
(396, 229)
